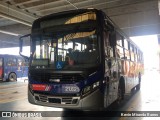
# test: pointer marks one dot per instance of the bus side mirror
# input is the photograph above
(24, 41)
(20, 45)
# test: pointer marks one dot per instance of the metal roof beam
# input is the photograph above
(10, 12)
(82, 4)
(71, 4)
(26, 2)
(46, 4)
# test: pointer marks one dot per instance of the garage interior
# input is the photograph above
(135, 17)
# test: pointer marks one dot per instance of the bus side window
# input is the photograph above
(1, 62)
(126, 48)
(106, 43)
(108, 47)
(112, 43)
(132, 52)
(14, 62)
(119, 46)
(9, 62)
(19, 62)
(135, 55)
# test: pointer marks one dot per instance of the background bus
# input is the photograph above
(12, 67)
(80, 60)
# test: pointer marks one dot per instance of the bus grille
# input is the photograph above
(62, 77)
(56, 100)
(43, 98)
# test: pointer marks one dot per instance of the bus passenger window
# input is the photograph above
(126, 48)
(119, 39)
(110, 52)
(120, 53)
(14, 62)
(135, 55)
(127, 55)
(125, 44)
(9, 62)
(19, 62)
(132, 52)
(0, 61)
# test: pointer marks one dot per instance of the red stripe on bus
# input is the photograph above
(1, 72)
(39, 87)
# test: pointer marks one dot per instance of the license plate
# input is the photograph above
(70, 89)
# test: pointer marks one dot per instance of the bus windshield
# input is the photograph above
(66, 51)
(68, 42)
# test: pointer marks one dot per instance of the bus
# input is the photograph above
(12, 67)
(80, 59)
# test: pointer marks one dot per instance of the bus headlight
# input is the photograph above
(86, 90)
(95, 85)
(90, 88)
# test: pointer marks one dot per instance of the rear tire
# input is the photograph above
(12, 77)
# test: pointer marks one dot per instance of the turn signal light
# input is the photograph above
(41, 87)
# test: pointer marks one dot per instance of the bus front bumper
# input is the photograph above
(92, 101)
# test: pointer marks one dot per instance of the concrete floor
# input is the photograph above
(13, 97)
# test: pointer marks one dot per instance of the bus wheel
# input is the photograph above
(12, 77)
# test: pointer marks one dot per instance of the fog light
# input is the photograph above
(37, 98)
(74, 101)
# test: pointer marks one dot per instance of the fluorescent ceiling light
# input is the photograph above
(9, 33)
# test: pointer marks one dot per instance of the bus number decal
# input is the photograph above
(70, 89)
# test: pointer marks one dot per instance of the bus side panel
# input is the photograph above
(131, 75)
(6, 68)
(136, 74)
(1, 72)
(132, 69)
(1, 68)
(127, 76)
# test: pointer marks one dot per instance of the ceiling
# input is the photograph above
(135, 17)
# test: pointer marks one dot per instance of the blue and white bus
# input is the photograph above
(80, 59)
(12, 67)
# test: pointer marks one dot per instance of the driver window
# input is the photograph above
(119, 46)
(108, 48)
